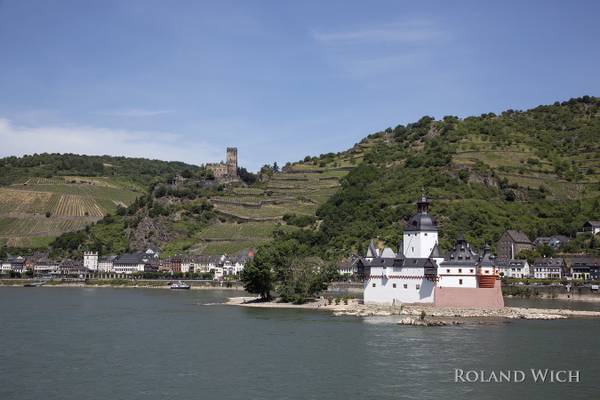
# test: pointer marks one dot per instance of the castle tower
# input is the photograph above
(421, 232)
(232, 161)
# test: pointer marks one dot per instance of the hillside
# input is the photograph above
(536, 170)
(43, 196)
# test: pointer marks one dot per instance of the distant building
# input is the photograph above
(549, 268)
(553, 241)
(46, 266)
(511, 243)
(514, 268)
(14, 264)
(70, 268)
(585, 268)
(349, 266)
(130, 263)
(105, 264)
(592, 227)
(226, 169)
(90, 260)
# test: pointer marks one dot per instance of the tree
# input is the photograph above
(257, 278)
(275, 167)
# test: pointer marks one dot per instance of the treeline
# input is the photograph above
(141, 170)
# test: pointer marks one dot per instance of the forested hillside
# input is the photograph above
(535, 170)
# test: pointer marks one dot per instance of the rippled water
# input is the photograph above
(64, 343)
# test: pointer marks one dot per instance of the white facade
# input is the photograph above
(129, 268)
(515, 269)
(419, 244)
(105, 265)
(457, 276)
(397, 285)
(90, 260)
(46, 267)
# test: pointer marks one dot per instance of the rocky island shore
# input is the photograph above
(415, 312)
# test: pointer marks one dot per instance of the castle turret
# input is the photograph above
(420, 233)
(232, 161)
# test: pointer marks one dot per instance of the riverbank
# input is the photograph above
(355, 309)
(125, 283)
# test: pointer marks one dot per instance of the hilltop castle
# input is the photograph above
(419, 273)
(226, 169)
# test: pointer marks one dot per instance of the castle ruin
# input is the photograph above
(227, 169)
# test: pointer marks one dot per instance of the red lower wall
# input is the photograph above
(469, 297)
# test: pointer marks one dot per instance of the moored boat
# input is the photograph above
(180, 285)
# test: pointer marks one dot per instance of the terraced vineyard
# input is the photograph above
(39, 209)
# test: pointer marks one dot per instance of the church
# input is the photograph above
(419, 273)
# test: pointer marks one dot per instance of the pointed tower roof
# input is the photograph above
(372, 250)
(436, 252)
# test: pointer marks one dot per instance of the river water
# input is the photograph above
(99, 343)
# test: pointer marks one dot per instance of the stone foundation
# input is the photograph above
(469, 297)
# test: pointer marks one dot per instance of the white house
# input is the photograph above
(90, 260)
(592, 227)
(45, 267)
(130, 263)
(514, 268)
(105, 264)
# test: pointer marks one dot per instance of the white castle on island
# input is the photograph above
(419, 273)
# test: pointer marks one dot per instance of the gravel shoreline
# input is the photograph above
(353, 308)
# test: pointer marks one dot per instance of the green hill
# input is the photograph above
(43, 196)
(536, 170)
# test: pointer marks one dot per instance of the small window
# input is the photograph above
(487, 271)
(394, 285)
(374, 285)
(471, 271)
(405, 286)
(425, 234)
(460, 270)
(412, 248)
(418, 286)
(460, 281)
(447, 271)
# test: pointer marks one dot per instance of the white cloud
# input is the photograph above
(19, 140)
(415, 32)
(134, 112)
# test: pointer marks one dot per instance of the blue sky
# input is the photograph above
(183, 80)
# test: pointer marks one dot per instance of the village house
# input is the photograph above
(70, 268)
(511, 243)
(553, 241)
(130, 263)
(349, 266)
(513, 268)
(45, 266)
(585, 267)
(549, 268)
(105, 264)
(592, 227)
(13, 264)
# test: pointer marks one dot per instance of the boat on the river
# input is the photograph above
(180, 285)
(34, 284)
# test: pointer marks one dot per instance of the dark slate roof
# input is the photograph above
(131, 258)
(487, 259)
(591, 261)
(400, 262)
(549, 262)
(436, 252)
(595, 224)
(518, 236)
(421, 222)
(461, 253)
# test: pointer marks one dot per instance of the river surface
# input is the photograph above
(100, 343)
